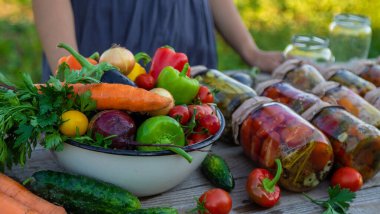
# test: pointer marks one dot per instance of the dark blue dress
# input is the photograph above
(145, 25)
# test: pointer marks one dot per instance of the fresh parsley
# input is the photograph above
(338, 202)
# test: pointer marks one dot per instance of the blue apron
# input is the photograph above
(145, 25)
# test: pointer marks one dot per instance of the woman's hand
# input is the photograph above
(266, 61)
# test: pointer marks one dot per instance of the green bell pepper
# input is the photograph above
(162, 131)
(183, 88)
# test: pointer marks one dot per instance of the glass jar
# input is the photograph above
(355, 143)
(268, 130)
(309, 48)
(299, 73)
(230, 93)
(373, 97)
(350, 37)
(369, 71)
(349, 79)
(335, 93)
(285, 93)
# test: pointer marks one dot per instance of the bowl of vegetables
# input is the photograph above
(141, 172)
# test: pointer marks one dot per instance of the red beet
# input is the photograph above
(114, 122)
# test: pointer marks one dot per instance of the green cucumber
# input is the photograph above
(155, 210)
(80, 194)
(216, 170)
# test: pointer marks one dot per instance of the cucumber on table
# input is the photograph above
(155, 210)
(80, 194)
(216, 170)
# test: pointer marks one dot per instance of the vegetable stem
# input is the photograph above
(184, 70)
(81, 59)
(144, 57)
(181, 152)
(270, 184)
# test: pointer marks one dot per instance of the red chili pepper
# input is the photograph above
(166, 56)
(262, 188)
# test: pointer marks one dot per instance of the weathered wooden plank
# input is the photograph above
(182, 196)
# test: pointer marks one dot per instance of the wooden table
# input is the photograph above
(182, 196)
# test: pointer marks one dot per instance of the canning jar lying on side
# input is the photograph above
(367, 70)
(284, 93)
(355, 143)
(229, 95)
(298, 73)
(373, 97)
(334, 93)
(349, 79)
(268, 130)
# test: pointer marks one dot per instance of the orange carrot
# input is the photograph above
(122, 97)
(19, 193)
(9, 205)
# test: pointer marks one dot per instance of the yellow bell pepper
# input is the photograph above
(136, 71)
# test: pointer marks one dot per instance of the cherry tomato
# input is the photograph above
(180, 113)
(210, 123)
(347, 177)
(145, 81)
(205, 95)
(201, 110)
(196, 138)
(215, 201)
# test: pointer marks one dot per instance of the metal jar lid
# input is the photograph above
(260, 88)
(242, 112)
(310, 113)
(323, 87)
(331, 71)
(281, 71)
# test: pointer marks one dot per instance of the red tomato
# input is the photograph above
(180, 113)
(145, 81)
(205, 95)
(215, 201)
(210, 123)
(196, 138)
(201, 110)
(347, 177)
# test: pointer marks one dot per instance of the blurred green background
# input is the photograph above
(271, 22)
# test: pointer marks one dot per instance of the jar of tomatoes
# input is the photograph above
(229, 93)
(355, 143)
(334, 93)
(298, 73)
(368, 70)
(373, 97)
(349, 79)
(286, 94)
(268, 130)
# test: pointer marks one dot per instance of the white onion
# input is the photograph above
(165, 93)
(119, 57)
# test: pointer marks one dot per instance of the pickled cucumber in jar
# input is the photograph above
(282, 92)
(355, 143)
(373, 97)
(335, 93)
(349, 79)
(299, 73)
(229, 93)
(267, 130)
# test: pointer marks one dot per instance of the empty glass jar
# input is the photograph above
(350, 37)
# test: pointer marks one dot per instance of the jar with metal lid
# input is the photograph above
(349, 79)
(368, 70)
(269, 130)
(334, 93)
(311, 48)
(299, 73)
(355, 143)
(350, 37)
(285, 93)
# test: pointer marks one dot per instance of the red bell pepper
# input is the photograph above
(166, 56)
(262, 188)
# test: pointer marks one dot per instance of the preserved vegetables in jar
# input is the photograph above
(373, 97)
(229, 94)
(310, 48)
(368, 70)
(286, 94)
(350, 37)
(349, 79)
(355, 143)
(299, 73)
(268, 130)
(334, 93)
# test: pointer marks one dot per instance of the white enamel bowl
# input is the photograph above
(142, 173)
